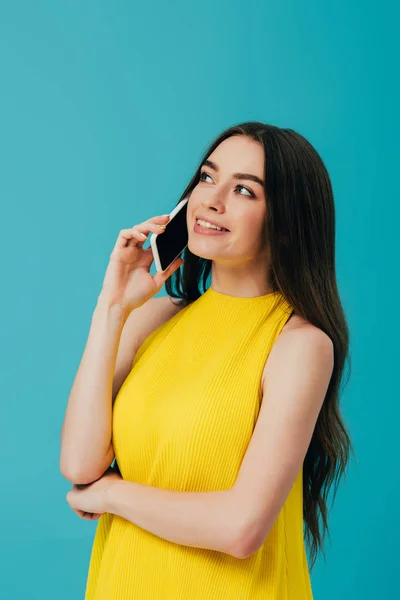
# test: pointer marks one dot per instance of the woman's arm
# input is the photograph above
(114, 337)
(208, 520)
(86, 449)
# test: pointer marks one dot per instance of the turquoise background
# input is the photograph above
(105, 111)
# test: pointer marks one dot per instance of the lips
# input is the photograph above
(210, 221)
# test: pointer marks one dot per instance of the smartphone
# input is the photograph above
(167, 246)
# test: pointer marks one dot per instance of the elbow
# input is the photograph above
(240, 545)
(248, 540)
(72, 475)
(75, 474)
(242, 548)
(241, 542)
(86, 470)
(252, 529)
(233, 523)
(65, 469)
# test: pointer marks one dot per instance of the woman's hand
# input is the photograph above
(89, 501)
(128, 280)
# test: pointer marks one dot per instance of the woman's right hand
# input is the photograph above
(128, 281)
(93, 516)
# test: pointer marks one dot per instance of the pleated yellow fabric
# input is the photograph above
(182, 420)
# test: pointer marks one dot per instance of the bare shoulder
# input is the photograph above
(298, 333)
(296, 324)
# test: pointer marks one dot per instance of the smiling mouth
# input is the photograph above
(212, 227)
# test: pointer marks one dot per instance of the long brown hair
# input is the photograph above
(300, 224)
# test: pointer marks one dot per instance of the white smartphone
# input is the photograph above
(167, 246)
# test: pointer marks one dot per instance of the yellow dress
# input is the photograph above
(182, 421)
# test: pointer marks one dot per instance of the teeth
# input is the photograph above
(210, 226)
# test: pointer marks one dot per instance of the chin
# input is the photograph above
(201, 252)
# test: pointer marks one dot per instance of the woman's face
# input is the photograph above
(235, 204)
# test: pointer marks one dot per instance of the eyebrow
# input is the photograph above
(212, 165)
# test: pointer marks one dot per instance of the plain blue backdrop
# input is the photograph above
(105, 111)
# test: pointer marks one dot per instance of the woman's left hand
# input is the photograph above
(90, 500)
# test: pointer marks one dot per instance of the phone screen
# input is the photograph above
(174, 239)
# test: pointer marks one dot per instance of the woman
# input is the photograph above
(225, 422)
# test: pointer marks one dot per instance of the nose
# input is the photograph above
(214, 202)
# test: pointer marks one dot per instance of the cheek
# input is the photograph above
(193, 207)
(253, 222)
(253, 231)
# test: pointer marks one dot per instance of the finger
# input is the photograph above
(160, 278)
(91, 516)
(158, 219)
(155, 224)
(137, 234)
(130, 236)
(148, 257)
(146, 228)
(87, 515)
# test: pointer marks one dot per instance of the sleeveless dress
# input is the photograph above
(182, 420)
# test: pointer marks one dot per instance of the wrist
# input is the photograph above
(105, 304)
(111, 495)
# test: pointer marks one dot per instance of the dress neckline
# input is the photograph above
(241, 299)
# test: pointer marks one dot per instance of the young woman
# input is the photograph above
(222, 409)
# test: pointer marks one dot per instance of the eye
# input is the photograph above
(204, 173)
(250, 193)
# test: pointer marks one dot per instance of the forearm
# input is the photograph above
(198, 519)
(87, 427)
